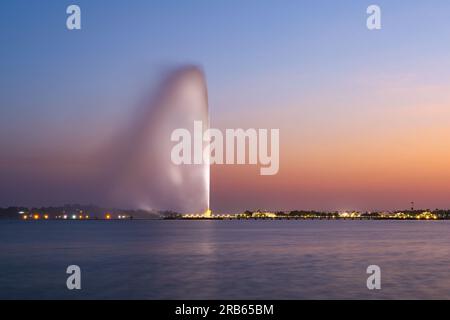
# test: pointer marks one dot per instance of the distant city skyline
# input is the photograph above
(363, 115)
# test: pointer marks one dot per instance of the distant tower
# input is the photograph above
(412, 206)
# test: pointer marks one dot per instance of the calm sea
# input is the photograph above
(225, 259)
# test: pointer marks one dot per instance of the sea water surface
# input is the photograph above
(224, 259)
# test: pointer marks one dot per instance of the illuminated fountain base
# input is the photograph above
(207, 215)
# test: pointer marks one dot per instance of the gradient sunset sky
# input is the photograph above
(364, 116)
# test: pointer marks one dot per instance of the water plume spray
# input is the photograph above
(147, 178)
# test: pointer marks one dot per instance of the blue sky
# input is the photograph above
(122, 44)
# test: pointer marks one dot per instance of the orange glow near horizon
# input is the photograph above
(335, 157)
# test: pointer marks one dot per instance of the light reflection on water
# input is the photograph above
(225, 259)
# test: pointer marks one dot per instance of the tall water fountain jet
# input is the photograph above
(147, 178)
(133, 169)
